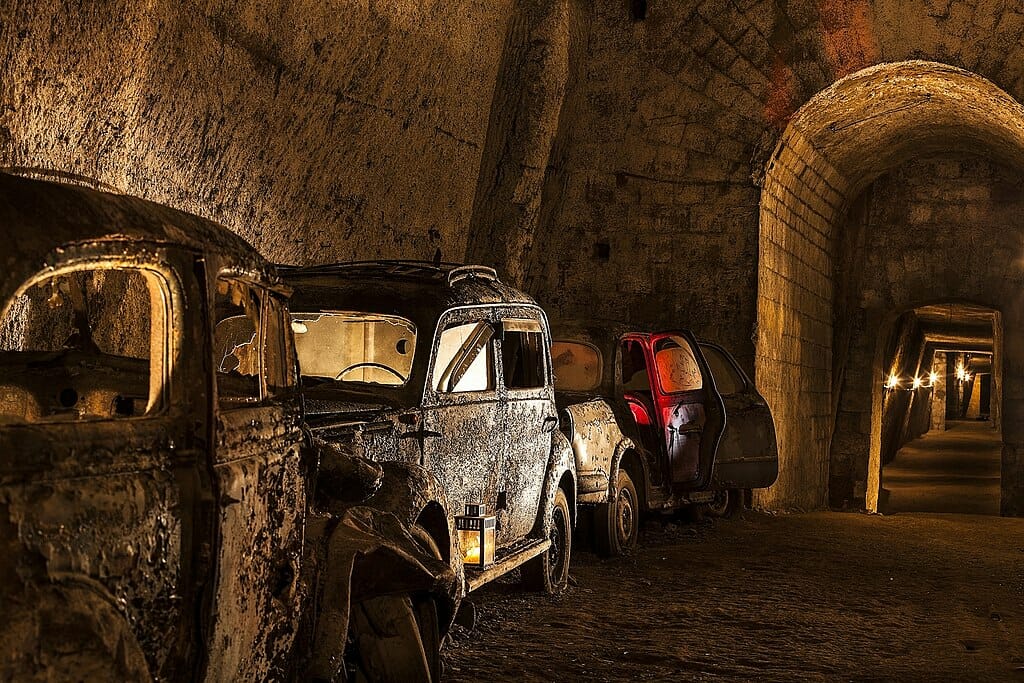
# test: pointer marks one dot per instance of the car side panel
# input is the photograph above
(108, 510)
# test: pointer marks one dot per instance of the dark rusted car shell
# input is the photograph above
(179, 545)
(396, 426)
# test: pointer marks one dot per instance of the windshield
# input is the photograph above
(577, 366)
(364, 348)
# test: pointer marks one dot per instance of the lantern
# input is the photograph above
(476, 536)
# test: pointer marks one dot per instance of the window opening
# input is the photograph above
(236, 342)
(84, 345)
(464, 359)
(522, 354)
(577, 366)
(355, 347)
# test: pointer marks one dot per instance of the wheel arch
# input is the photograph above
(629, 458)
(434, 520)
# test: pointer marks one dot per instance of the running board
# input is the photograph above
(477, 578)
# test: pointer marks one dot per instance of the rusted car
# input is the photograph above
(160, 511)
(442, 373)
(657, 421)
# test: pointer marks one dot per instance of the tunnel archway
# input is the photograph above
(834, 147)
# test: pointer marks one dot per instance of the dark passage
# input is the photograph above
(956, 470)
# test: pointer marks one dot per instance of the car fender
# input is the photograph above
(407, 489)
(560, 463)
(598, 444)
(73, 628)
(626, 446)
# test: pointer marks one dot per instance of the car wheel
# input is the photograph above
(389, 639)
(617, 522)
(550, 572)
(725, 503)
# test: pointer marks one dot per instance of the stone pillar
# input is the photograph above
(938, 421)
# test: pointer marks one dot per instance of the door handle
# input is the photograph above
(419, 434)
(550, 422)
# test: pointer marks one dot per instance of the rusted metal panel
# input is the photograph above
(596, 440)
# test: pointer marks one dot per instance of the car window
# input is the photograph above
(236, 342)
(522, 354)
(465, 359)
(727, 379)
(633, 367)
(676, 365)
(356, 347)
(577, 365)
(85, 345)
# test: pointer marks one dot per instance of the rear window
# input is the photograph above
(353, 347)
(677, 366)
(577, 366)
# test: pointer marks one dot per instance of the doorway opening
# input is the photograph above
(940, 424)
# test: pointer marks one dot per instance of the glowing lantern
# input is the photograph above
(476, 536)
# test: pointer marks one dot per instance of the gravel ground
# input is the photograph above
(810, 597)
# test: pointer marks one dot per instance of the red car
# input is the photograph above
(658, 420)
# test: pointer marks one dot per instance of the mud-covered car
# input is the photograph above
(158, 499)
(657, 420)
(442, 373)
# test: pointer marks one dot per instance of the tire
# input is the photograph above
(725, 503)
(550, 572)
(396, 638)
(617, 522)
(385, 644)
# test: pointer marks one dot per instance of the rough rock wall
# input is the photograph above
(318, 130)
(945, 228)
(659, 218)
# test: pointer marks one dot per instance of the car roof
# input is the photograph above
(412, 289)
(40, 220)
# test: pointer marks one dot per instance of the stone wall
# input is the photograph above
(317, 130)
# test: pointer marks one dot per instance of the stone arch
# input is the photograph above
(833, 147)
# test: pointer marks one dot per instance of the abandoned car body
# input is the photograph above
(657, 421)
(157, 491)
(443, 374)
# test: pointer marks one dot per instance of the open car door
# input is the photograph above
(748, 456)
(668, 386)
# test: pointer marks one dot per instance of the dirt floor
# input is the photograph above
(950, 471)
(810, 597)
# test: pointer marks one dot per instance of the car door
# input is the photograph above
(689, 411)
(100, 474)
(259, 483)
(462, 429)
(528, 416)
(748, 456)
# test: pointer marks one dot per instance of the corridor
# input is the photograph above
(952, 471)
